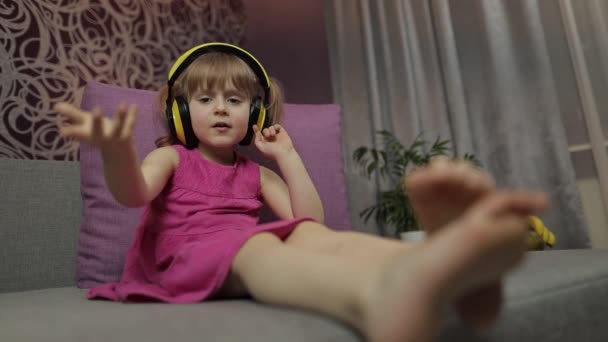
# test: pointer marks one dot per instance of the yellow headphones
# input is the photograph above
(177, 111)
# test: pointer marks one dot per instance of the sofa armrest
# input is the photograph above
(40, 208)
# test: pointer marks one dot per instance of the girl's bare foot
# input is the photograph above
(466, 255)
(444, 190)
(441, 193)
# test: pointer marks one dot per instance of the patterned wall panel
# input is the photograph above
(50, 48)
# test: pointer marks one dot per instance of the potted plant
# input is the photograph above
(393, 162)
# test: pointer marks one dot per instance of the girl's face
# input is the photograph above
(220, 117)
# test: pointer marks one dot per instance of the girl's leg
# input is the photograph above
(439, 193)
(398, 297)
(478, 308)
(362, 246)
(277, 273)
(316, 238)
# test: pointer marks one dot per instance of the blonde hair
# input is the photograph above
(215, 70)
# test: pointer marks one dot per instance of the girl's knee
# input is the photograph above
(253, 250)
(313, 236)
(306, 230)
(261, 241)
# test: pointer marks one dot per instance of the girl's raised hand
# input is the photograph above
(272, 141)
(93, 128)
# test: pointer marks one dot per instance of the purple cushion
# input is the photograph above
(107, 228)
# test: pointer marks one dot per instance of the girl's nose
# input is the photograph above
(220, 107)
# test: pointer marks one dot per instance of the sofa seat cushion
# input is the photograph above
(556, 296)
(64, 314)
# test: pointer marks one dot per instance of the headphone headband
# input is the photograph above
(189, 56)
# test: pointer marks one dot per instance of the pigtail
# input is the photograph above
(275, 105)
(161, 104)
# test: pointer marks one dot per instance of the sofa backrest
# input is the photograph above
(40, 210)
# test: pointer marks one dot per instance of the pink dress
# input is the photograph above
(190, 234)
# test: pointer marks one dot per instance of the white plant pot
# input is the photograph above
(417, 235)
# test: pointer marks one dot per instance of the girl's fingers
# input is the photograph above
(97, 126)
(96, 111)
(100, 128)
(129, 123)
(257, 135)
(68, 132)
(272, 131)
(119, 118)
(73, 114)
(269, 132)
(74, 132)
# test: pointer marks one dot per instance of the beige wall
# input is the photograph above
(289, 38)
(594, 211)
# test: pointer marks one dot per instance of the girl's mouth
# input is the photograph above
(221, 126)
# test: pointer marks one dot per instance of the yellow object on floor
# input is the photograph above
(539, 235)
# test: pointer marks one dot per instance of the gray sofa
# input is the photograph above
(554, 296)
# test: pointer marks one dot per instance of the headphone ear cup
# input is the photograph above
(182, 123)
(169, 116)
(254, 113)
(266, 119)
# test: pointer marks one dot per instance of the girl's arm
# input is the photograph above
(297, 196)
(130, 184)
(275, 193)
(133, 185)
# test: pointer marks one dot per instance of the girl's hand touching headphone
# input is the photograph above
(93, 128)
(273, 141)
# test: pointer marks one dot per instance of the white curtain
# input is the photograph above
(487, 74)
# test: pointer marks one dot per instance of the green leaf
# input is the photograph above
(417, 144)
(367, 213)
(472, 159)
(440, 147)
(398, 170)
(372, 167)
(359, 153)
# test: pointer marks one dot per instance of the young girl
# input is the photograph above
(199, 237)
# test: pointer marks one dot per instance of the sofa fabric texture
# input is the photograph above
(39, 217)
